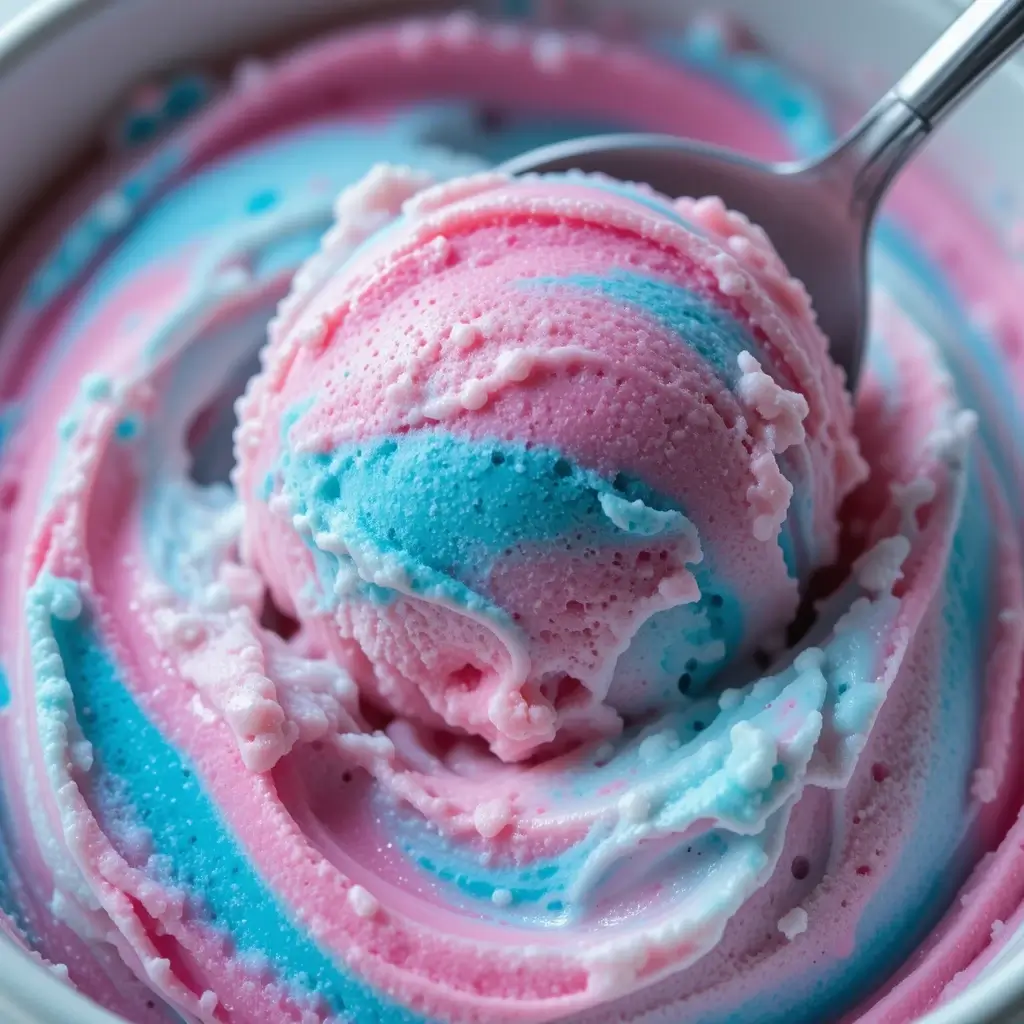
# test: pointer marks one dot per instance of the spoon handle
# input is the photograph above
(870, 156)
(970, 49)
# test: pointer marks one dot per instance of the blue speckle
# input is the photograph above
(5, 691)
(263, 201)
(516, 10)
(9, 416)
(185, 96)
(140, 127)
(128, 428)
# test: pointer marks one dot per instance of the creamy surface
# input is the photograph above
(242, 781)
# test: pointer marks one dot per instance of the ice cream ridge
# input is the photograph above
(544, 633)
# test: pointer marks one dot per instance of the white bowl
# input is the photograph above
(54, 46)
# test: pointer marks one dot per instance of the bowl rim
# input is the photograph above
(38, 23)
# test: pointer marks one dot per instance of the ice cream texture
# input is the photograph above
(536, 630)
(516, 457)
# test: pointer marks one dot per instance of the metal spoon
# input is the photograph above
(818, 213)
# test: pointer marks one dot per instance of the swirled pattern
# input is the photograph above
(352, 729)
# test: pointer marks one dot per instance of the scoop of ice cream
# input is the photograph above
(539, 453)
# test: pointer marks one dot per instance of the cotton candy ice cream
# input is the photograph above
(480, 670)
(538, 454)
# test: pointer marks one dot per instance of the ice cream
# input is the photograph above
(517, 456)
(552, 641)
